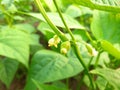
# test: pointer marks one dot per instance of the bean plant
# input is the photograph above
(52, 42)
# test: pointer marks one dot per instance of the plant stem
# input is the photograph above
(97, 59)
(80, 83)
(77, 51)
(89, 37)
(61, 16)
(55, 29)
(8, 16)
(90, 61)
(67, 83)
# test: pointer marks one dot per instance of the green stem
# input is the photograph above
(55, 29)
(67, 83)
(8, 16)
(61, 16)
(88, 35)
(80, 83)
(97, 59)
(77, 51)
(90, 61)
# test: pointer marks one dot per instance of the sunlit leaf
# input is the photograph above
(46, 64)
(15, 44)
(106, 5)
(49, 66)
(106, 26)
(55, 18)
(107, 46)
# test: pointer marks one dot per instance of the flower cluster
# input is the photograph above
(65, 46)
(54, 41)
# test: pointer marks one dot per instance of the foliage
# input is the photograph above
(55, 40)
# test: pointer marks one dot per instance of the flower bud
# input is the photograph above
(91, 50)
(54, 41)
(65, 46)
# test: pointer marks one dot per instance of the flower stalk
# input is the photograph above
(55, 29)
(76, 48)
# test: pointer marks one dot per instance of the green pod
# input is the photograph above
(107, 46)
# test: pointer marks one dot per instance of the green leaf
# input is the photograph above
(12, 9)
(106, 5)
(15, 44)
(103, 59)
(84, 52)
(112, 76)
(81, 33)
(76, 12)
(101, 83)
(34, 44)
(106, 26)
(25, 27)
(107, 46)
(46, 30)
(19, 18)
(6, 2)
(35, 48)
(51, 5)
(34, 39)
(8, 68)
(30, 85)
(54, 17)
(48, 66)
(59, 84)
(47, 87)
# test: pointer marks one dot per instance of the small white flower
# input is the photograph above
(51, 42)
(94, 52)
(91, 50)
(54, 41)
